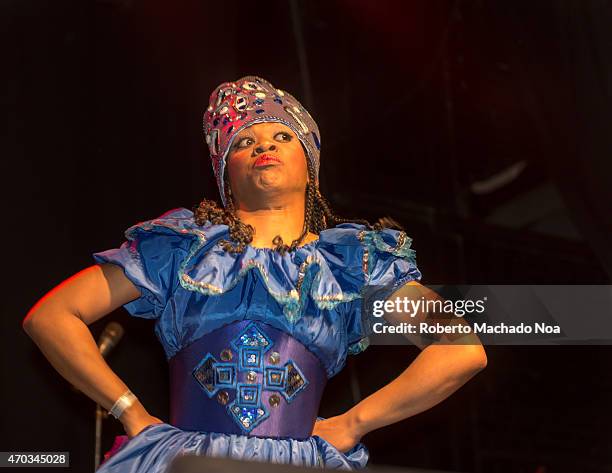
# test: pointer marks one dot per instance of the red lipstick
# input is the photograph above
(266, 160)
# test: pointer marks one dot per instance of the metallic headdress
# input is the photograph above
(237, 105)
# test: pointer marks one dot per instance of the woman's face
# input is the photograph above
(266, 160)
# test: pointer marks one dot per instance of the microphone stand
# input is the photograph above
(110, 337)
(100, 415)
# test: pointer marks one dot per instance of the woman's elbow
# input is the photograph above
(476, 357)
(40, 319)
(30, 323)
(27, 322)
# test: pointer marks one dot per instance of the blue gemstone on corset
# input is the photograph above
(204, 373)
(275, 378)
(225, 375)
(250, 358)
(252, 337)
(248, 395)
(247, 417)
(296, 381)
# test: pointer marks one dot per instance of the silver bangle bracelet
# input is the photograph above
(121, 404)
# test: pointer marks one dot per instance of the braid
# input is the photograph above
(319, 222)
(318, 216)
(308, 215)
(331, 216)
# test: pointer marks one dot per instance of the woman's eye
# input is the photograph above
(248, 141)
(244, 142)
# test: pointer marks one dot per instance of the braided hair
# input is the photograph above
(318, 216)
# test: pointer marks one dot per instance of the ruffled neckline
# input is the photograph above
(312, 243)
(329, 270)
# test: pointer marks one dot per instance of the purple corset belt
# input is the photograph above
(246, 378)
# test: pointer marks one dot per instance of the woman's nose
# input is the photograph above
(260, 149)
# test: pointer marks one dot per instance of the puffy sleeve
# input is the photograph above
(150, 258)
(373, 264)
(388, 262)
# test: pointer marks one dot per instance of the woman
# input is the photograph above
(256, 304)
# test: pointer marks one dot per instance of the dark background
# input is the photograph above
(483, 127)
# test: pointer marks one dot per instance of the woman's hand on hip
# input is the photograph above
(136, 418)
(338, 431)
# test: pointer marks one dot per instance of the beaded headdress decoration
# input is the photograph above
(234, 106)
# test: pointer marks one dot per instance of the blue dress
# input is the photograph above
(251, 338)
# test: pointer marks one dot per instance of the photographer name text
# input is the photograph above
(440, 328)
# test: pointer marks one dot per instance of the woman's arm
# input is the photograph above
(58, 324)
(435, 374)
(440, 369)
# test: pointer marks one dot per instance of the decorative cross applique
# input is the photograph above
(261, 372)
